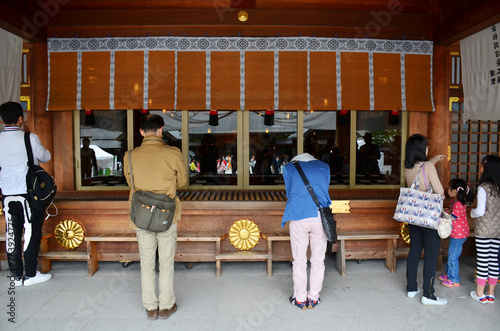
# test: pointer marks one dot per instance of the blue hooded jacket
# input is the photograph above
(300, 204)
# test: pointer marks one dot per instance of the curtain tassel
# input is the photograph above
(394, 118)
(344, 117)
(269, 117)
(213, 119)
(89, 117)
(144, 113)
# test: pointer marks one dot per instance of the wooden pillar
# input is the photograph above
(64, 164)
(41, 119)
(55, 129)
(418, 123)
(439, 121)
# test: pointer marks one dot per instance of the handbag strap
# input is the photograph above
(417, 178)
(307, 184)
(427, 186)
(29, 150)
(131, 172)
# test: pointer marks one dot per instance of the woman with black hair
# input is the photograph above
(420, 237)
(487, 229)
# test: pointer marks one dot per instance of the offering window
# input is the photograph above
(247, 149)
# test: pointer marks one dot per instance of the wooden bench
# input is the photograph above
(3, 239)
(256, 256)
(92, 256)
(270, 239)
(443, 250)
(246, 256)
(390, 256)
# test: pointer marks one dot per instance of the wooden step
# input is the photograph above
(243, 256)
(65, 255)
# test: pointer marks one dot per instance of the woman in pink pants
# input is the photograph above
(306, 228)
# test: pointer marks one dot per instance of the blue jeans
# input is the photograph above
(454, 252)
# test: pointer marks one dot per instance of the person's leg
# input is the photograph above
(32, 238)
(493, 267)
(14, 221)
(432, 243)
(498, 256)
(318, 243)
(459, 253)
(482, 247)
(147, 251)
(416, 246)
(454, 251)
(299, 240)
(167, 244)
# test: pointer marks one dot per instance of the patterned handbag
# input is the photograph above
(417, 207)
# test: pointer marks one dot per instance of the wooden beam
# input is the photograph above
(479, 17)
(21, 23)
(224, 22)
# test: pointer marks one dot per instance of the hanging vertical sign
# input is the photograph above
(11, 48)
(480, 55)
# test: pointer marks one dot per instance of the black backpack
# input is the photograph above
(41, 186)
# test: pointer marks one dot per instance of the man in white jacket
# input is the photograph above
(18, 214)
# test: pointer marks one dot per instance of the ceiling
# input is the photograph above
(442, 21)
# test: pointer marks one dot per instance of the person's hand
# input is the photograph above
(442, 157)
(25, 127)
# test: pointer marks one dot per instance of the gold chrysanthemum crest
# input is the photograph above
(244, 234)
(69, 234)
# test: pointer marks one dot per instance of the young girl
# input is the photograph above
(458, 191)
(487, 229)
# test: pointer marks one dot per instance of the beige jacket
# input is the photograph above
(430, 172)
(158, 168)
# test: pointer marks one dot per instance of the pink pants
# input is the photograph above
(302, 235)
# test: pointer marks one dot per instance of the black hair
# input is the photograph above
(10, 112)
(416, 147)
(464, 194)
(491, 172)
(151, 123)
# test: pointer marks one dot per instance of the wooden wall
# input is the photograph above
(216, 217)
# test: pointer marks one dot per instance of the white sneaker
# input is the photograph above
(412, 294)
(437, 302)
(482, 299)
(39, 278)
(19, 282)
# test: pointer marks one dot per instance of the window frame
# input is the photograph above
(77, 156)
(243, 131)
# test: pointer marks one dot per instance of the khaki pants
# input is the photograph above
(165, 243)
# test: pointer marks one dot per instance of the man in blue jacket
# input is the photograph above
(306, 227)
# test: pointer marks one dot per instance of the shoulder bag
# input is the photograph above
(41, 186)
(150, 211)
(327, 218)
(417, 207)
(445, 225)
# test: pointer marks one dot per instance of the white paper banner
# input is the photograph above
(480, 55)
(11, 48)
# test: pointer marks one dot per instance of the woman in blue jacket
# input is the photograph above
(306, 227)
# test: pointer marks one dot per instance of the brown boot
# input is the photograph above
(163, 314)
(152, 314)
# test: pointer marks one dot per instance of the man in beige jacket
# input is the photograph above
(157, 168)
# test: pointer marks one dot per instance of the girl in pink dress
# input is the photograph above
(459, 192)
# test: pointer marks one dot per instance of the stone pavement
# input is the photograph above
(244, 298)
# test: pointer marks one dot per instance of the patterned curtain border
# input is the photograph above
(213, 44)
